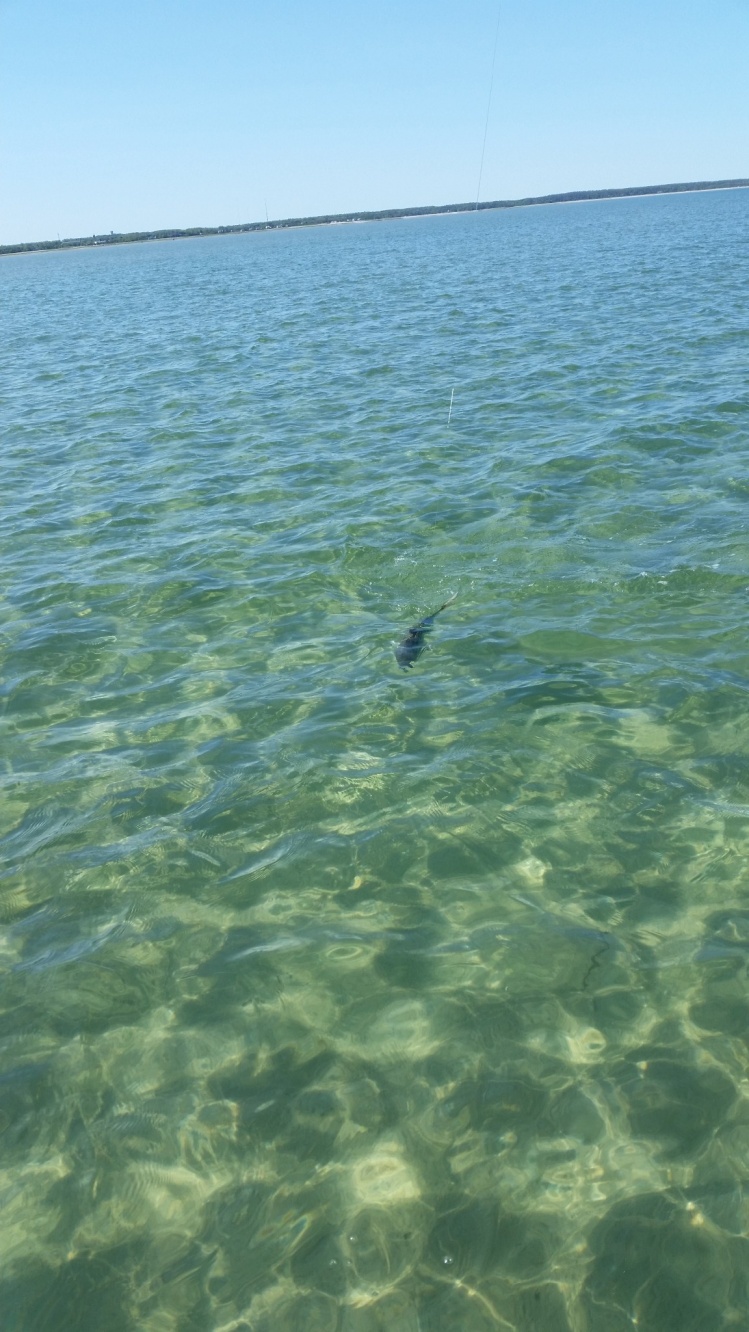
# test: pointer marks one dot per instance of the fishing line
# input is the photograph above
(488, 106)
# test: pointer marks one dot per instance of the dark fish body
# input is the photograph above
(412, 646)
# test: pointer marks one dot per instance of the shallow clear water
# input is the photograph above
(336, 997)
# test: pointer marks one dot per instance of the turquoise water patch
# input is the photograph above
(338, 998)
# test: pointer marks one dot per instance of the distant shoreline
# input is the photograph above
(381, 215)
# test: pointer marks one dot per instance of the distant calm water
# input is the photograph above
(336, 998)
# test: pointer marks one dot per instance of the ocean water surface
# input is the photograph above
(335, 997)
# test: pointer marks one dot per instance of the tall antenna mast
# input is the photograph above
(488, 106)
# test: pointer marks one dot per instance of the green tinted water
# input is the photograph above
(337, 998)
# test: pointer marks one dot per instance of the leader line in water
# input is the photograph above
(412, 646)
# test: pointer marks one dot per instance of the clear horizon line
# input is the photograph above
(371, 215)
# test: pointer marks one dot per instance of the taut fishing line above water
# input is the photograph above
(488, 105)
(483, 151)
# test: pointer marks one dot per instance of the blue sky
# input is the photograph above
(178, 113)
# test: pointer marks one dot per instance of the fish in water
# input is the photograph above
(414, 643)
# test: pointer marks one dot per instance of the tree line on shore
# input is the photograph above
(380, 215)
